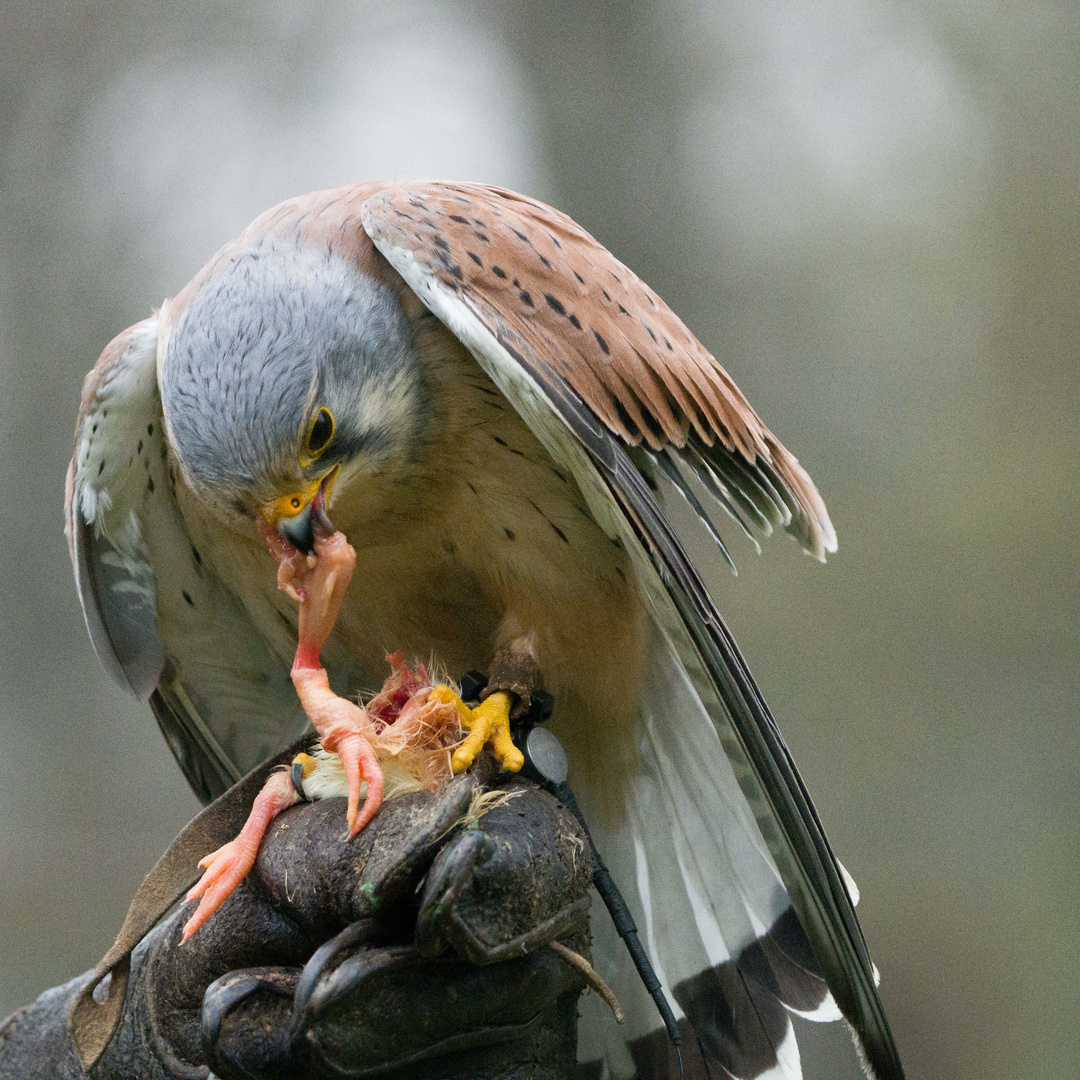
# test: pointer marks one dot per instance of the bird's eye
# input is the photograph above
(320, 433)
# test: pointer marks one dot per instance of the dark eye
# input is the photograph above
(322, 431)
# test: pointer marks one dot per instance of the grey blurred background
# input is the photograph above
(869, 210)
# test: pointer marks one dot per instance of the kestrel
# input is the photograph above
(494, 411)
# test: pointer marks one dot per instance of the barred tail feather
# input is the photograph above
(711, 909)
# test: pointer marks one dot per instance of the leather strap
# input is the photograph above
(92, 1024)
(514, 670)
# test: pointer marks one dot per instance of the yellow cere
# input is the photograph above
(287, 506)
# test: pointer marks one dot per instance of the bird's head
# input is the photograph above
(290, 380)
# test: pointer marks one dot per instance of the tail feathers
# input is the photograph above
(711, 910)
(782, 962)
(655, 1059)
(733, 1016)
(737, 1024)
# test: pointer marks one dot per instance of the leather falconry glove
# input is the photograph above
(422, 949)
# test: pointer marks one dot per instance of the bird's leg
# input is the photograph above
(320, 589)
(320, 586)
(341, 724)
(489, 724)
(227, 867)
(515, 676)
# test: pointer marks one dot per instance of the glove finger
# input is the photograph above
(364, 933)
(516, 880)
(245, 932)
(245, 1023)
(393, 1013)
(313, 873)
(450, 873)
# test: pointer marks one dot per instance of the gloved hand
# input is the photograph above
(421, 948)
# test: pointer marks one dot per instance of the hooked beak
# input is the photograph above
(301, 517)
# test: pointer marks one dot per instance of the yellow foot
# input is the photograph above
(488, 725)
(448, 697)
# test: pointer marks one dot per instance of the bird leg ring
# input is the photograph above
(515, 677)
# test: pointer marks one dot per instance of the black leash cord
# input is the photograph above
(621, 917)
(543, 768)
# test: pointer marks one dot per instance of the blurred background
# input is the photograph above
(868, 210)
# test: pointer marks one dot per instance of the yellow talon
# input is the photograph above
(448, 697)
(489, 723)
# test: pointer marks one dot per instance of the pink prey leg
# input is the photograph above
(227, 867)
(340, 723)
(321, 590)
(341, 726)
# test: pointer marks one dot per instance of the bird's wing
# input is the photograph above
(162, 623)
(590, 322)
(621, 393)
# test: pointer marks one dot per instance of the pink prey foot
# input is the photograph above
(292, 563)
(319, 582)
(342, 727)
(229, 865)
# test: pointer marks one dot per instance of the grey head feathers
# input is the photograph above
(283, 331)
